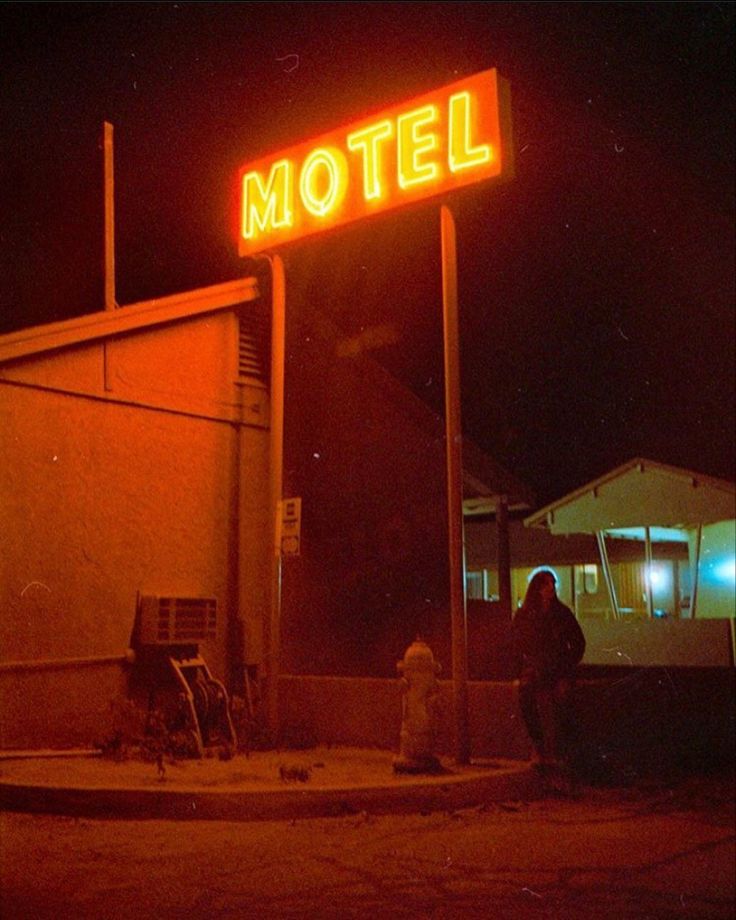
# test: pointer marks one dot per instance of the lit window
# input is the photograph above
(586, 579)
(474, 585)
(590, 578)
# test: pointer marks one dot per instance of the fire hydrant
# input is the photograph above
(419, 671)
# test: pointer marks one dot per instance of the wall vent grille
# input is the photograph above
(253, 345)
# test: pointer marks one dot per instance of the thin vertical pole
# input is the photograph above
(648, 568)
(607, 573)
(503, 555)
(109, 180)
(695, 570)
(455, 485)
(272, 638)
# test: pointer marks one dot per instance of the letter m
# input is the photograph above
(266, 207)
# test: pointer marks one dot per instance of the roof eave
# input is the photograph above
(81, 329)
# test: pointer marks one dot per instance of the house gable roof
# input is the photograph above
(484, 479)
(640, 493)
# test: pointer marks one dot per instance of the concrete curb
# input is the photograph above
(425, 794)
(49, 754)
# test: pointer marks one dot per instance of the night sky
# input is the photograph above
(596, 288)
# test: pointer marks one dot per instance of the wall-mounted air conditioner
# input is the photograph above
(177, 620)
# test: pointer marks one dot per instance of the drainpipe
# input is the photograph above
(245, 628)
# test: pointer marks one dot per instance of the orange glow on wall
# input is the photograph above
(427, 146)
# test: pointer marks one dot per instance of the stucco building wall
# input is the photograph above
(100, 502)
(124, 470)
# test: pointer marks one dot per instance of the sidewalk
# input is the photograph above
(265, 785)
(659, 849)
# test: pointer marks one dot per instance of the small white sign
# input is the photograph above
(289, 526)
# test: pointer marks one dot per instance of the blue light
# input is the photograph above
(658, 578)
(726, 570)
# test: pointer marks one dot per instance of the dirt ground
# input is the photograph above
(655, 849)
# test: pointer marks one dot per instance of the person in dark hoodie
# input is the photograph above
(548, 645)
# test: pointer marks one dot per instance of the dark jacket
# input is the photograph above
(547, 644)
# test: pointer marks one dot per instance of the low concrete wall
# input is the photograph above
(660, 643)
(366, 712)
(626, 717)
(624, 714)
(641, 643)
(62, 705)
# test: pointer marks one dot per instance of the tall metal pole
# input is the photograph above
(109, 180)
(272, 638)
(453, 429)
(503, 555)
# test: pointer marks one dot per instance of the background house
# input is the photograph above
(644, 556)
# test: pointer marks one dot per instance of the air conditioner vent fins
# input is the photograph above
(177, 620)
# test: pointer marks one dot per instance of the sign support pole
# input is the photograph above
(109, 183)
(503, 556)
(276, 456)
(453, 434)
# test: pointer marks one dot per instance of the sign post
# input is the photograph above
(454, 450)
(276, 436)
(109, 181)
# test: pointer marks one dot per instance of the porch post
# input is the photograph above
(695, 570)
(606, 566)
(648, 558)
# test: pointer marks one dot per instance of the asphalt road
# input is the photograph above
(653, 851)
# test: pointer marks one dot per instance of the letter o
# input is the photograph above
(326, 163)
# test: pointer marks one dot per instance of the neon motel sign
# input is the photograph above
(446, 139)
